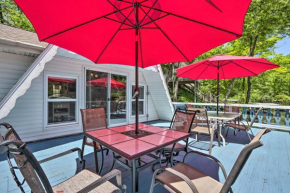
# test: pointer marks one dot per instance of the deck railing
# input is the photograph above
(272, 116)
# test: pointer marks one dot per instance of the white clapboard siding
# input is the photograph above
(159, 94)
(12, 67)
(27, 116)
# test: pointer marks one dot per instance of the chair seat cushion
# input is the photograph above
(203, 183)
(81, 180)
(240, 127)
(199, 129)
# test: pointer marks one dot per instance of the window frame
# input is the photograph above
(144, 100)
(47, 100)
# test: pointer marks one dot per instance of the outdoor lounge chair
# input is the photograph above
(183, 178)
(181, 121)
(94, 119)
(242, 126)
(33, 174)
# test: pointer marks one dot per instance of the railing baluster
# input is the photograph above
(261, 116)
(252, 113)
(268, 116)
(287, 117)
(278, 116)
(245, 114)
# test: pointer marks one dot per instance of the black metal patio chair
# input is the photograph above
(34, 176)
(183, 178)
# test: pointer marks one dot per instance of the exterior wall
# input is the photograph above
(28, 115)
(12, 68)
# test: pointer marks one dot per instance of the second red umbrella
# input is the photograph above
(225, 67)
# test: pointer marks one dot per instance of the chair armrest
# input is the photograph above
(114, 173)
(7, 125)
(63, 154)
(211, 157)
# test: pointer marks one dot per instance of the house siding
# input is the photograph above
(27, 116)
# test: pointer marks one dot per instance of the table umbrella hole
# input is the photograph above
(141, 133)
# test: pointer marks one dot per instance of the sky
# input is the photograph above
(283, 46)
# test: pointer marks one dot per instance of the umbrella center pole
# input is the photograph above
(218, 89)
(136, 6)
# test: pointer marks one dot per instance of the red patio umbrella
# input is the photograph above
(103, 82)
(139, 33)
(225, 67)
(61, 80)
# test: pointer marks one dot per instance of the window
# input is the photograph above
(61, 100)
(141, 100)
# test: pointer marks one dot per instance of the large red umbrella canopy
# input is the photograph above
(139, 33)
(226, 66)
(103, 82)
(104, 30)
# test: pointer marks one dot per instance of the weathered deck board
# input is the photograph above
(267, 170)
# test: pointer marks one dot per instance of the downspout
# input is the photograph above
(22, 85)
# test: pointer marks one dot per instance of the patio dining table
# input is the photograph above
(221, 118)
(132, 148)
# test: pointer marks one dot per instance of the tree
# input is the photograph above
(10, 14)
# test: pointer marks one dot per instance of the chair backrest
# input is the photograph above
(255, 117)
(188, 106)
(182, 121)
(232, 109)
(241, 160)
(10, 133)
(201, 118)
(93, 119)
(27, 164)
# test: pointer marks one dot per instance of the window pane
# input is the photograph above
(141, 107)
(61, 88)
(141, 91)
(96, 89)
(61, 112)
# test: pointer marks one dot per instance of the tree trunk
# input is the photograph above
(175, 90)
(229, 90)
(1, 13)
(253, 44)
(243, 85)
(169, 75)
(249, 90)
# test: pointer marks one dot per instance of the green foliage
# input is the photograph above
(10, 14)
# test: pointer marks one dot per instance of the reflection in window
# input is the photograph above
(61, 100)
(61, 88)
(141, 101)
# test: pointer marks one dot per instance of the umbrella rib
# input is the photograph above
(202, 23)
(74, 27)
(113, 37)
(244, 68)
(167, 37)
(117, 21)
(148, 12)
(155, 20)
(202, 72)
(261, 62)
(120, 12)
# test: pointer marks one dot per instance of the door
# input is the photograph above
(108, 91)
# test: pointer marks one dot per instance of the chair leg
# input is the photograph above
(248, 135)
(107, 152)
(83, 148)
(102, 163)
(139, 161)
(227, 131)
(251, 131)
(114, 161)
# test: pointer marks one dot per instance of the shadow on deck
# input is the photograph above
(267, 170)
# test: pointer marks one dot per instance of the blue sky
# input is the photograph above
(283, 47)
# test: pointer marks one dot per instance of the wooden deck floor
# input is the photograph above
(267, 170)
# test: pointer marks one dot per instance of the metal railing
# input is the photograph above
(272, 116)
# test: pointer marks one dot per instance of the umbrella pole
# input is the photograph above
(136, 74)
(218, 90)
